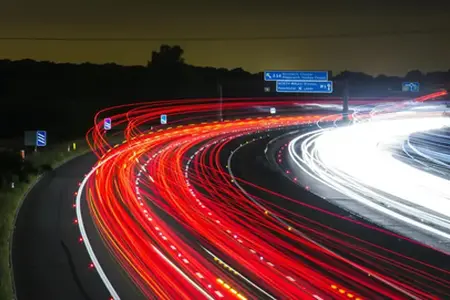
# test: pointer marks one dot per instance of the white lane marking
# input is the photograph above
(84, 235)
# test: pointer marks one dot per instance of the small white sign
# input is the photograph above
(163, 119)
(107, 124)
(273, 110)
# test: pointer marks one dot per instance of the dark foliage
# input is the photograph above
(63, 98)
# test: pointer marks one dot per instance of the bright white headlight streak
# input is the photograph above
(354, 151)
(349, 160)
(428, 157)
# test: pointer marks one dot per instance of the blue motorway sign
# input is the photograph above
(41, 138)
(296, 75)
(107, 124)
(163, 119)
(305, 87)
(410, 86)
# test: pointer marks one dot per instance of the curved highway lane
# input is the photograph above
(167, 215)
(48, 257)
(362, 162)
(176, 177)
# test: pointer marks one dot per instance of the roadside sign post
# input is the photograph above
(163, 119)
(107, 125)
(41, 138)
(30, 138)
(410, 86)
(305, 87)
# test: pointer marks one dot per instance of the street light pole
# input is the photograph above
(220, 103)
(345, 100)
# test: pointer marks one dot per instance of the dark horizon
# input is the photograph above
(374, 38)
(219, 68)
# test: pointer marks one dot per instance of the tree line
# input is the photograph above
(63, 97)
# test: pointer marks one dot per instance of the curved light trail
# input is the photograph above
(171, 215)
(362, 162)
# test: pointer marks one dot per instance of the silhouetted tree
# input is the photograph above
(414, 75)
(167, 72)
(356, 77)
(167, 56)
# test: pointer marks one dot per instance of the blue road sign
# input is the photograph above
(107, 124)
(296, 75)
(410, 86)
(41, 138)
(305, 87)
(163, 119)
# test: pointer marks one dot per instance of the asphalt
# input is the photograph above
(49, 262)
(250, 164)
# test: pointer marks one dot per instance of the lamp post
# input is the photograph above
(220, 103)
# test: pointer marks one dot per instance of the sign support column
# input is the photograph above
(220, 103)
(346, 96)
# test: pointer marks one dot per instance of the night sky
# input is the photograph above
(393, 55)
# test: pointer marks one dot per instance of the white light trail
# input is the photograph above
(357, 161)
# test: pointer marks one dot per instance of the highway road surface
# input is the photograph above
(198, 211)
(49, 260)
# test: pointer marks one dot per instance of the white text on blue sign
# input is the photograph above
(296, 75)
(304, 87)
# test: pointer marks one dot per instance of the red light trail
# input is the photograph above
(171, 214)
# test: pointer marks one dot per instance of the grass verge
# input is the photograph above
(11, 200)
